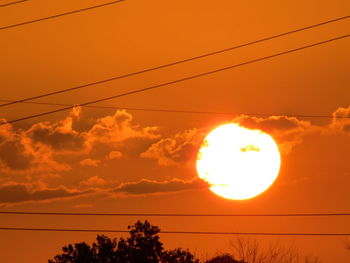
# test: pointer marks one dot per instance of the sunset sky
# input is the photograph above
(104, 160)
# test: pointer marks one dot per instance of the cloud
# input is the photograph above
(76, 112)
(177, 150)
(49, 146)
(6, 132)
(182, 148)
(342, 112)
(94, 181)
(287, 131)
(18, 192)
(32, 150)
(341, 120)
(115, 155)
(145, 186)
(90, 162)
(50, 152)
(272, 124)
(19, 155)
(114, 129)
(111, 130)
(13, 155)
(58, 136)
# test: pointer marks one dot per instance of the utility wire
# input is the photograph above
(173, 215)
(184, 111)
(13, 3)
(60, 15)
(176, 62)
(178, 80)
(174, 232)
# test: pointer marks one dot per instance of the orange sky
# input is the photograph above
(99, 160)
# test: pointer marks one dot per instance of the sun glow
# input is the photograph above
(237, 162)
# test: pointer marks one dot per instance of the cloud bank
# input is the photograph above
(68, 158)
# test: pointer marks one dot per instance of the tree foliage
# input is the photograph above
(143, 245)
(224, 258)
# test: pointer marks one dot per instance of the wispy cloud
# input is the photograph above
(145, 186)
(19, 192)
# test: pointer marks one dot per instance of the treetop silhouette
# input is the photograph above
(143, 246)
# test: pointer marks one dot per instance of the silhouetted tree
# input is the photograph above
(178, 255)
(101, 252)
(224, 258)
(143, 246)
(250, 251)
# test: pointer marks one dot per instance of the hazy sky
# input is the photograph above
(103, 160)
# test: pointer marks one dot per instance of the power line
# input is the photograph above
(177, 81)
(60, 15)
(176, 62)
(175, 214)
(184, 111)
(173, 232)
(13, 3)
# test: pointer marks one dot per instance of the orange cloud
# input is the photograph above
(19, 155)
(179, 149)
(94, 181)
(90, 162)
(114, 155)
(118, 128)
(49, 146)
(341, 120)
(52, 148)
(182, 148)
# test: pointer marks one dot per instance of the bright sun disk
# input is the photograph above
(237, 162)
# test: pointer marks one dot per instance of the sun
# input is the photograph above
(237, 162)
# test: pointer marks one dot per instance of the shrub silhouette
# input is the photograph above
(143, 246)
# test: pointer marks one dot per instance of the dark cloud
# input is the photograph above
(60, 136)
(271, 124)
(14, 156)
(145, 186)
(15, 193)
(287, 131)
